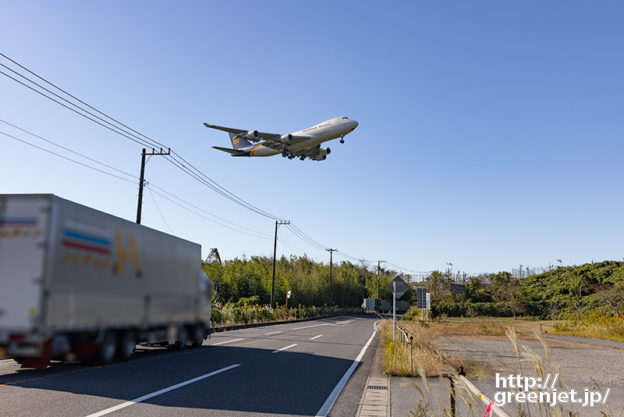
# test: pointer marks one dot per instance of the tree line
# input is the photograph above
(307, 280)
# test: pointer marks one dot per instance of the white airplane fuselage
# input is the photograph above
(319, 133)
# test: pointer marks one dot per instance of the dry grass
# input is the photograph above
(397, 356)
(596, 325)
(486, 326)
(433, 363)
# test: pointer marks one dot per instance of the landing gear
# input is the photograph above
(284, 153)
(302, 157)
(342, 139)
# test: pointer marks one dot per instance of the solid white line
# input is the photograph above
(162, 391)
(316, 337)
(269, 334)
(284, 348)
(227, 341)
(329, 402)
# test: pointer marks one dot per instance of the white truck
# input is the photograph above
(80, 284)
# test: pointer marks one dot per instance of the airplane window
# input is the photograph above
(344, 117)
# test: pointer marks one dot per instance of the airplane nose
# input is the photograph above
(355, 124)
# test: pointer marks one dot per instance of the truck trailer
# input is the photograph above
(80, 284)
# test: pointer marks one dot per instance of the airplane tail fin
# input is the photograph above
(238, 142)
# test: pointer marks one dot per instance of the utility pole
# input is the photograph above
(378, 271)
(277, 223)
(331, 252)
(142, 179)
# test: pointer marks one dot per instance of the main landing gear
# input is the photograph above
(341, 139)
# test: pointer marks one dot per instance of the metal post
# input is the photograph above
(412, 355)
(393, 310)
(141, 182)
(452, 395)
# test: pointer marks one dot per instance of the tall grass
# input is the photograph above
(598, 325)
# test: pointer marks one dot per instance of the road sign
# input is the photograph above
(421, 297)
(288, 294)
(398, 287)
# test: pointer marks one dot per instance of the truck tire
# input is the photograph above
(107, 348)
(126, 345)
(198, 335)
(180, 343)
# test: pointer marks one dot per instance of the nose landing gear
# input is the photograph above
(341, 139)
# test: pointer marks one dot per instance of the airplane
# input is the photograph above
(302, 144)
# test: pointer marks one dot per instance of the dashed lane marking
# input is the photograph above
(227, 341)
(284, 348)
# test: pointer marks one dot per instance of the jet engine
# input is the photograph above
(251, 135)
(324, 151)
(286, 139)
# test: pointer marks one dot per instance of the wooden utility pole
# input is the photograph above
(331, 252)
(142, 179)
(277, 223)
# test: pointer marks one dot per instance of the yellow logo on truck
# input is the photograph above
(123, 255)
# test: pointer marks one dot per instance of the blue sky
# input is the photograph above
(490, 132)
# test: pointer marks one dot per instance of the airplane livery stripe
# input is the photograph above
(254, 150)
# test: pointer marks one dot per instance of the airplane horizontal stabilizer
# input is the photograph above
(234, 152)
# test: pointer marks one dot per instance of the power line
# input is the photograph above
(79, 100)
(69, 150)
(235, 227)
(142, 143)
(65, 157)
(159, 212)
(207, 218)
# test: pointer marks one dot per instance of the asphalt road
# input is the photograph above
(286, 369)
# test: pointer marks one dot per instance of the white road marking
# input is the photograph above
(269, 334)
(162, 391)
(313, 325)
(284, 348)
(316, 337)
(329, 402)
(226, 341)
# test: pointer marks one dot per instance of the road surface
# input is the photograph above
(288, 369)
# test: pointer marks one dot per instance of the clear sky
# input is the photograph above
(490, 132)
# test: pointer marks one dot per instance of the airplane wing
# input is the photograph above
(258, 137)
(271, 140)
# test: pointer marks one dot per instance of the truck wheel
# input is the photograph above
(107, 348)
(127, 344)
(181, 340)
(198, 335)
